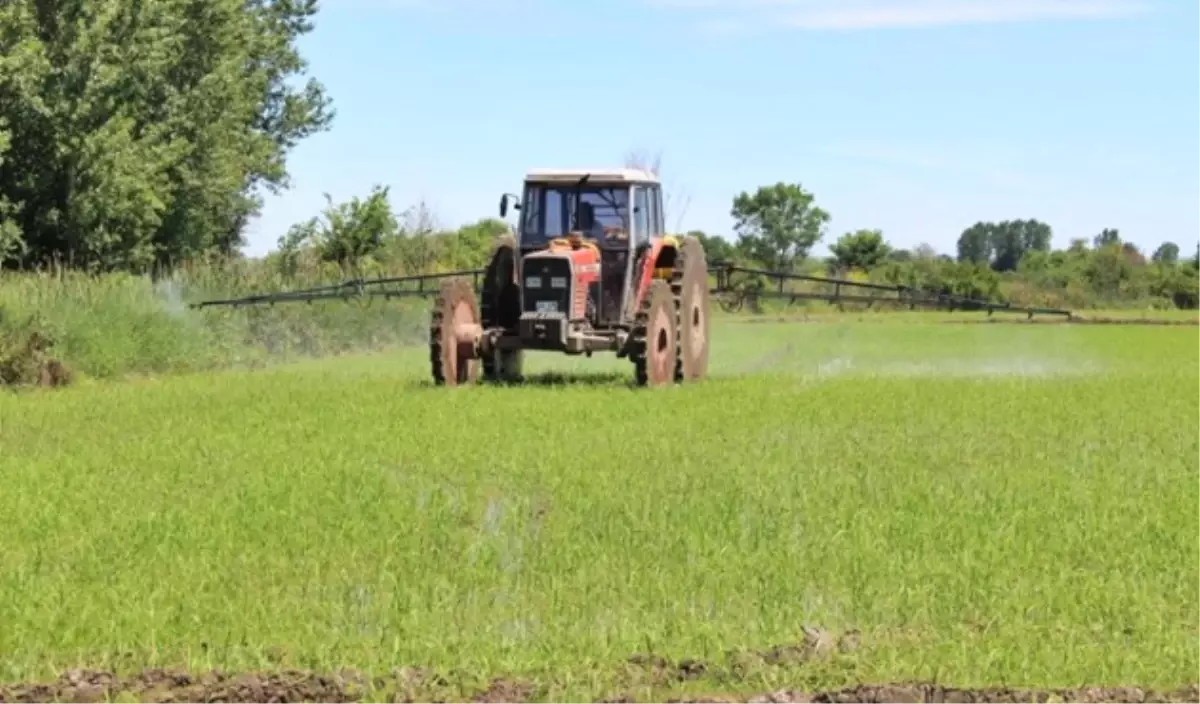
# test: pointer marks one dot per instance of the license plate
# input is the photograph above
(547, 306)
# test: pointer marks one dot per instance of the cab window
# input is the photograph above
(656, 216)
(642, 217)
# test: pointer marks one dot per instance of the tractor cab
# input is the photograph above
(614, 214)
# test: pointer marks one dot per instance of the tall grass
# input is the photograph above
(119, 324)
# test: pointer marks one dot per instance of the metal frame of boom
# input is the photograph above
(735, 294)
(388, 287)
(906, 296)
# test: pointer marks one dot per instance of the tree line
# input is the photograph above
(139, 136)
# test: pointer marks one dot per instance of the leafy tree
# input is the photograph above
(778, 224)
(1003, 244)
(863, 249)
(1133, 254)
(471, 245)
(347, 232)
(1106, 237)
(715, 248)
(1167, 253)
(975, 244)
(1108, 269)
(138, 133)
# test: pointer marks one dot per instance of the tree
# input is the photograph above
(863, 249)
(1106, 237)
(1167, 253)
(1108, 268)
(975, 244)
(347, 232)
(471, 245)
(1003, 244)
(139, 133)
(779, 224)
(715, 248)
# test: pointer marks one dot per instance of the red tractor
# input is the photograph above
(590, 269)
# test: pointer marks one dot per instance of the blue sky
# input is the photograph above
(918, 117)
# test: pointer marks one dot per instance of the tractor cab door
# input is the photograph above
(619, 264)
(616, 255)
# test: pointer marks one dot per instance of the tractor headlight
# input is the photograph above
(533, 282)
(558, 282)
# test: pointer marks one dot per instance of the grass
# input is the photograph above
(117, 325)
(982, 504)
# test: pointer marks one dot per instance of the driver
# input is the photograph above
(590, 226)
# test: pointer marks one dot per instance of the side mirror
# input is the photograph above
(504, 203)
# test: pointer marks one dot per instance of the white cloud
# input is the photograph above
(875, 14)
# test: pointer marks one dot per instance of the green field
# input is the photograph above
(968, 504)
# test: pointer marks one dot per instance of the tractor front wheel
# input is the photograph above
(655, 338)
(453, 331)
(500, 306)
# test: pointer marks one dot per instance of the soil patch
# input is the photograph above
(413, 685)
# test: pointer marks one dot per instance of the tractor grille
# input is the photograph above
(547, 285)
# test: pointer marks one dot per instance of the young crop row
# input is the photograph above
(971, 505)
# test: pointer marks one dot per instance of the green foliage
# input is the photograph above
(134, 134)
(778, 224)
(716, 249)
(1002, 245)
(863, 249)
(346, 232)
(1167, 253)
(1108, 236)
(121, 323)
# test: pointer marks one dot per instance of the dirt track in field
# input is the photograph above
(412, 685)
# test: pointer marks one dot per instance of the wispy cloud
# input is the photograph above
(879, 14)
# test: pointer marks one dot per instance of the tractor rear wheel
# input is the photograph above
(500, 307)
(655, 339)
(454, 325)
(689, 286)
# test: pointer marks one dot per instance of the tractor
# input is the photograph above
(588, 269)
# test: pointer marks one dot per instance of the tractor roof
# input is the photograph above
(597, 175)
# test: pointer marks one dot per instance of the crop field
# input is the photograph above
(900, 505)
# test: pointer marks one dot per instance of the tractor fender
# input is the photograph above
(657, 263)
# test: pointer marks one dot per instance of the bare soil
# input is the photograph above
(413, 685)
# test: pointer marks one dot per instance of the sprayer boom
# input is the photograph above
(389, 287)
(732, 287)
(835, 290)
